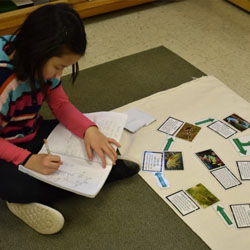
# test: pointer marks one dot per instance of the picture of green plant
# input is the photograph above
(173, 160)
(202, 195)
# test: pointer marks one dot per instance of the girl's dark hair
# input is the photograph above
(51, 30)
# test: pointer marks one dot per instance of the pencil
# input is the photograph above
(46, 146)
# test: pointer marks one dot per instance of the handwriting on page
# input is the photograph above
(71, 175)
(77, 174)
(66, 177)
(110, 128)
(110, 124)
(70, 180)
(74, 146)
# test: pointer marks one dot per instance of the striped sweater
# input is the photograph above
(19, 107)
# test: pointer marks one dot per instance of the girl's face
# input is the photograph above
(55, 65)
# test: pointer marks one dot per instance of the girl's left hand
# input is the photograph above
(97, 141)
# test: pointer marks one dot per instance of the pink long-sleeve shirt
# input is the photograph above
(19, 107)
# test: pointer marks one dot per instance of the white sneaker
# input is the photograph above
(41, 218)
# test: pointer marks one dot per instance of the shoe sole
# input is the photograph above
(39, 217)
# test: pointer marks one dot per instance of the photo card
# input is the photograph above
(170, 126)
(237, 122)
(202, 195)
(188, 132)
(173, 160)
(210, 159)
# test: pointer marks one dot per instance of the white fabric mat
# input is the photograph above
(190, 102)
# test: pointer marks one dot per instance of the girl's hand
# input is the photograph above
(95, 140)
(44, 163)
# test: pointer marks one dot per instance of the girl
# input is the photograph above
(31, 64)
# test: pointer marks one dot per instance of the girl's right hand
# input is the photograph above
(44, 163)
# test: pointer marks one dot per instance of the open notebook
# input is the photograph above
(77, 174)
